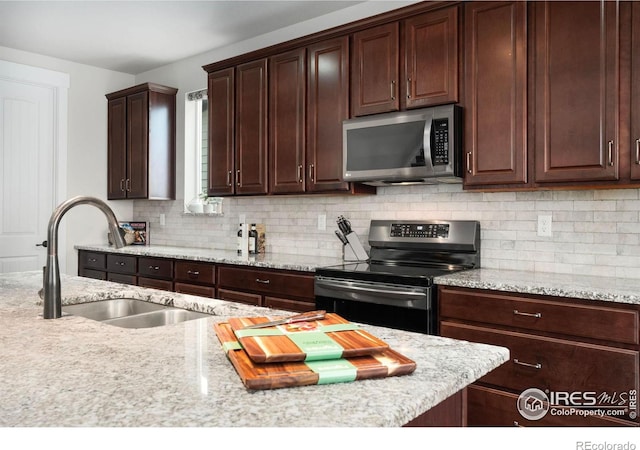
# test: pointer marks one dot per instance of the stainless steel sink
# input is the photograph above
(131, 313)
(156, 318)
(111, 309)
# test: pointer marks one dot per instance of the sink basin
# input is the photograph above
(167, 316)
(131, 313)
(113, 308)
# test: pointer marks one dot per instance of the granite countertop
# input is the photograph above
(74, 371)
(617, 290)
(282, 261)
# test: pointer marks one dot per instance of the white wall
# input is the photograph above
(87, 147)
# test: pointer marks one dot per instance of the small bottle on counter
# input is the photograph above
(239, 241)
(253, 239)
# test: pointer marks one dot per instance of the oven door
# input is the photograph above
(410, 308)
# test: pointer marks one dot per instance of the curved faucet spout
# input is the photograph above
(52, 297)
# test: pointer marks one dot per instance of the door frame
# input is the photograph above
(58, 83)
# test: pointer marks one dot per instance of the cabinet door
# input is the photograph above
(287, 86)
(635, 91)
(251, 128)
(137, 143)
(576, 91)
(327, 107)
(117, 148)
(431, 59)
(496, 93)
(221, 125)
(375, 68)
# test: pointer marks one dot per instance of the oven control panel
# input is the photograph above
(413, 230)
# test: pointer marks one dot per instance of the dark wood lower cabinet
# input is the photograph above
(278, 289)
(563, 347)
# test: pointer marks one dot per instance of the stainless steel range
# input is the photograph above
(395, 287)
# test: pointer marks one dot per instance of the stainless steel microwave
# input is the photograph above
(420, 146)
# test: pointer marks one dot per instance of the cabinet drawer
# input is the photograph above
(121, 264)
(194, 289)
(96, 274)
(488, 407)
(122, 278)
(596, 322)
(554, 364)
(288, 304)
(194, 272)
(165, 285)
(242, 297)
(156, 268)
(93, 260)
(267, 282)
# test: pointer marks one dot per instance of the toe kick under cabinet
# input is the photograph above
(273, 288)
(579, 353)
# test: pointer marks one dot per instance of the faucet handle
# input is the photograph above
(43, 244)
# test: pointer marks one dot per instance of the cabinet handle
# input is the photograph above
(193, 273)
(122, 184)
(92, 260)
(300, 173)
(637, 151)
(408, 87)
(229, 178)
(121, 263)
(469, 162)
(536, 366)
(536, 315)
(311, 173)
(238, 177)
(258, 280)
(154, 267)
(610, 151)
(393, 90)
(128, 185)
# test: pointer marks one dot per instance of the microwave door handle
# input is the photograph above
(427, 143)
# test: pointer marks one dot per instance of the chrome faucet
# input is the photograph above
(52, 297)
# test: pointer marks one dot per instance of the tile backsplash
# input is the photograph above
(594, 232)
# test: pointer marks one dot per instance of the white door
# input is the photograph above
(28, 178)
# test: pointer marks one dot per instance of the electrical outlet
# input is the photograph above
(544, 226)
(322, 222)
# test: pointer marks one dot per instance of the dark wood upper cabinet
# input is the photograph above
(221, 167)
(251, 128)
(375, 70)
(117, 148)
(287, 87)
(141, 143)
(635, 91)
(496, 93)
(431, 59)
(327, 107)
(577, 68)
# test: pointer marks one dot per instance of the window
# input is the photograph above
(196, 159)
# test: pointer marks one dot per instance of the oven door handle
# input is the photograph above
(380, 293)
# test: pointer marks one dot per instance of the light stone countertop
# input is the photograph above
(74, 371)
(608, 289)
(282, 261)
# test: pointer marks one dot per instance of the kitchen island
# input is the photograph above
(74, 371)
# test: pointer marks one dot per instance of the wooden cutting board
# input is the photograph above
(254, 375)
(330, 338)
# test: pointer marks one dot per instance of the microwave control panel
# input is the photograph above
(440, 142)
(412, 230)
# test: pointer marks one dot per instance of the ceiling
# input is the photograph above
(136, 36)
